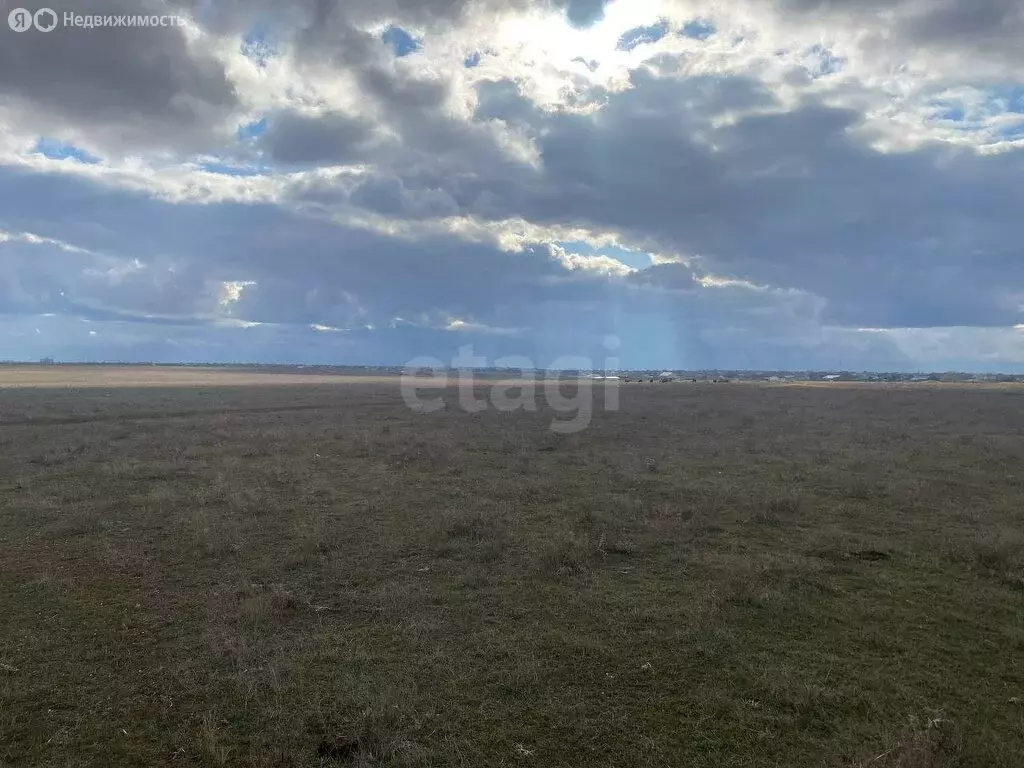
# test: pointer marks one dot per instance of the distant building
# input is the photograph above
(46, 361)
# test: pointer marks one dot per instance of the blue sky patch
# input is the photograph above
(226, 169)
(59, 150)
(473, 60)
(592, 64)
(1009, 97)
(257, 45)
(698, 29)
(652, 33)
(828, 63)
(954, 113)
(401, 42)
(584, 13)
(1012, 132)
(253, 130)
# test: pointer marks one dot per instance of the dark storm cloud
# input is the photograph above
(40, 278)
(319, 16)
(784, 198)
(990, 30)
(138, 85)
(977, 24)
(292, 138)
(390, 197)
(310, 272)
(409, 106)
(790, 198)
(306, 270)
(129, 88)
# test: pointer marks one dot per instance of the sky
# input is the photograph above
(680, 184)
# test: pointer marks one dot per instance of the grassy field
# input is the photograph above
(294, 573)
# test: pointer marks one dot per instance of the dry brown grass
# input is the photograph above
(308, 575)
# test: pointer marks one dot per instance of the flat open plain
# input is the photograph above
(231, 569)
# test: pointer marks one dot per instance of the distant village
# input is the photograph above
(782, 377)
(631, 376)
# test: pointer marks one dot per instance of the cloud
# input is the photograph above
(798, 170)
(718, 167)
(148, 87)
(332, 138)
(988, 31)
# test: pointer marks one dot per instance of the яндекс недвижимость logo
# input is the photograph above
(46, 20)
(22, 20)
